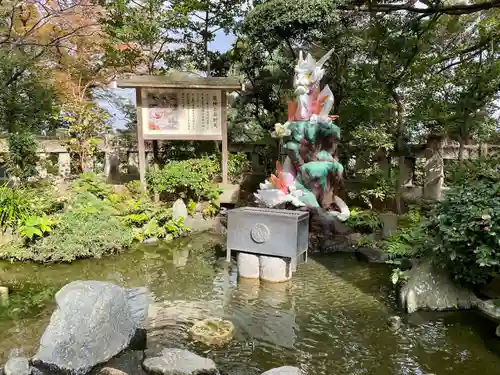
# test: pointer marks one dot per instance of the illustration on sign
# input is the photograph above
(182, 112)
(163, 111)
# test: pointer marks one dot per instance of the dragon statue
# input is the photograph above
(311, 176)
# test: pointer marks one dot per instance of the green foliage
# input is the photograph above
(93, 184)
(193, 177)
(86, 124)
(17, 204)
(87, 229)
(22, 158)
(191, 207)
(365, 241)
(169, 230)
(135, 188)
(27, 299)
(36, 226)
(466, 224)
(398, 276)
(237, 165)
(376, 186)
(411, 238)
(143, 26)
(364, 221)
(26, 100)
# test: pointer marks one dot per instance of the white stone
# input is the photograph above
(248, 266)
(274, 269)
(285, 370)
(179, 209)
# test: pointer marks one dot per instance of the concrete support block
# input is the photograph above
(248, 266)
(275, 269)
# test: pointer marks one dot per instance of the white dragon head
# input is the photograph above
(308, 72)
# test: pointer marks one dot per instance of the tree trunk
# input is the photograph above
(464, 138)
(401, 159)
(205, 41)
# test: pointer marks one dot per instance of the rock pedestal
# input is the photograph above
(274, 269)
(248, 266)
(265, 268)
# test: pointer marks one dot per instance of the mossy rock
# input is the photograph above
(213, 331)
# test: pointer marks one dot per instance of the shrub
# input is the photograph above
(88, 229)
(92, 183)
(194, 178)
(237, 165)
(364, 221)
(22, 159)
(466, 225)
(17, 204)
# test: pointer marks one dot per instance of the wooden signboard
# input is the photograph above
(181, 106)
(182, 114)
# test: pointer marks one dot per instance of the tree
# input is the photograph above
(206, 18)
(430, 9)
(40, 31)
(26, 104)
(23, 158)
(142, 34)
(86, 125)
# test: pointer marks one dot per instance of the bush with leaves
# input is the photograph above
(87, 229)
(92, 183)
(364, 221)
(19, 203)
(193, 177)
(466, 224)
(23, 158)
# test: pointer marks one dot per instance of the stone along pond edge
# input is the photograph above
(82, 339)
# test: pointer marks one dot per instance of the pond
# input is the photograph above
(330, 319)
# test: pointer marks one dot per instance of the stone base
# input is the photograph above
(248, 266)
(265, 268)
(274, 269)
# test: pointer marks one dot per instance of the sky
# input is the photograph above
(221, 43)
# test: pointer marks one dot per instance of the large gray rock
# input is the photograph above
(431, 288)
(17, 366)
(285, 370)
(179, 362)
(490, 308)
(371, 255)
(93, 322)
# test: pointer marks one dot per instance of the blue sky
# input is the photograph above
(221, 43)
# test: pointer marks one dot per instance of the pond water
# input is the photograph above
(330, 319)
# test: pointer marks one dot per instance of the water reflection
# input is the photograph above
(331, 318)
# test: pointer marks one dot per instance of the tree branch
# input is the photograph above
(452, 9)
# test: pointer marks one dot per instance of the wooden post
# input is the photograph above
(225, 155)
(140, 137)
